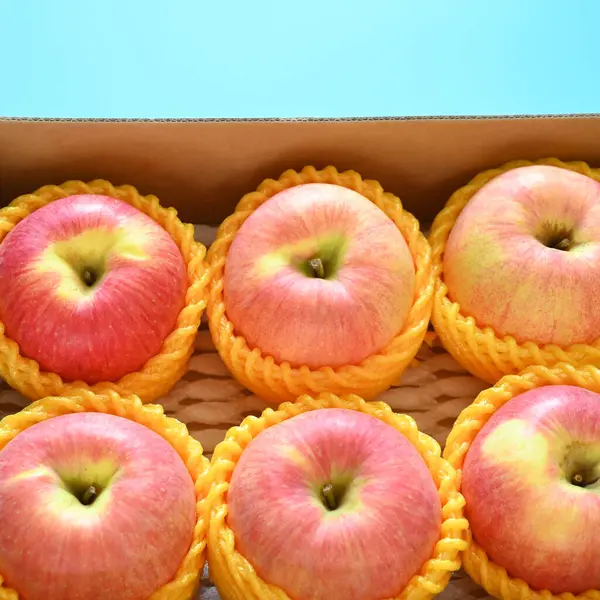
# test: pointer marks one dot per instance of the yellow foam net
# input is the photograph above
(186, 580)
(492, 577)
(479, 349)
(277, 382)
(235, 577)
(161, 372)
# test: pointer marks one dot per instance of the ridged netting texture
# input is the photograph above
(160, 373)
(493, 577)
(278, 382)
(235, 577)
(186, 581)
(479, 349)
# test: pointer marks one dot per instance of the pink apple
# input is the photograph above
(334, 503)
(531, 480)
(319, 276)
(90, 287)
(92, 506)
(524, 256)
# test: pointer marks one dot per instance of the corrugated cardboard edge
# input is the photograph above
(305, 119)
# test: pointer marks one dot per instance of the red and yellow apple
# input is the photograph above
(524, 256)
(334, 503)
(318, 276)
(92, 506)
(531, 481)
(90, 287)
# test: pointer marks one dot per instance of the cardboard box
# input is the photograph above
(203, 168)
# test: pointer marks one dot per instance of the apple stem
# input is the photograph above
(563, 244)
(584, 481)
(329, 496)
(89, 495)
(316, 264)
(89, 277)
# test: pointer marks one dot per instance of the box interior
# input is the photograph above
(203, 167)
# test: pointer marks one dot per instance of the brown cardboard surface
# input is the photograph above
(204, 167)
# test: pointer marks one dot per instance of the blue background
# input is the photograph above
(286, 58)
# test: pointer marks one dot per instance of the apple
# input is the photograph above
(524, 256)
(334, 503)
(531, 481)
(90, 287)
(319, 276)
(92, 506)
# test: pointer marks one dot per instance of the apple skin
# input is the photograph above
(522, 507)
(311, 321)
(90, 333)
(126, 544)
(383, 531)
(499, 270)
